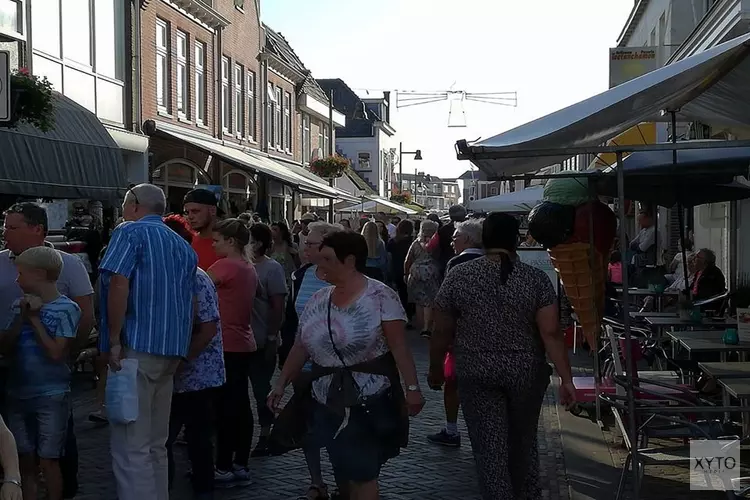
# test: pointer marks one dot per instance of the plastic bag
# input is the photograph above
(449, 367)
(566, 191)
(121, 394)
(551, 223)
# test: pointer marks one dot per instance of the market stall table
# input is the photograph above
(738, 388)
(646, 292)
(726, 370)
(676, 321)
(707, 341)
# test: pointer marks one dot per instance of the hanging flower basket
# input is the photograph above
(403, 198)
(32, 100)
(330, 167)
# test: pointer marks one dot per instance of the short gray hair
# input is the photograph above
(324, 228)
(427, 229)
(472, 229)
(149, 196)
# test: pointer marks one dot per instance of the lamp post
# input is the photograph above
(417, 156)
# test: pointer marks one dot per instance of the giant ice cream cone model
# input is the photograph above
(584, 285)
(562, 224)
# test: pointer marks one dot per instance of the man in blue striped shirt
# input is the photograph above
(147, 309)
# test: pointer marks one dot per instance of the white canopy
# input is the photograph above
(710, 87)
(517, 201)
(377, 204)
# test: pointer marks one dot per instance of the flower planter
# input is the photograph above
(331, 167)
(31, 101)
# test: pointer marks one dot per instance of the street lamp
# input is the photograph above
(417, 156)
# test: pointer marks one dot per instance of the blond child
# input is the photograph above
(38, 337)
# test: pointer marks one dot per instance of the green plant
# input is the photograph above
(34, 102)
(404, 197)
(329, 167)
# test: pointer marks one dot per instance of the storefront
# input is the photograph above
(176, 177)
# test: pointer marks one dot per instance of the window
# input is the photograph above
(363, 161)
(287, 121)
(493, 191)
(270, 113)
(226, 95)
(326, 140)
(183, 95)
(277, 119)
(239, 100)
(306, 146)
(162, 65)
(200, 82)
(240, 4)
(321, 139)
(251, 105)
(76, 26)
(663, 29)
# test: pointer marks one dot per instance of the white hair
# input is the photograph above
(472, 229)
(427, 229)
(324, 228)
(149, 196)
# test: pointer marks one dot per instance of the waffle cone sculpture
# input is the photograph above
(584, 285)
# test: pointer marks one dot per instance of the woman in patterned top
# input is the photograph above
(423, 276)
(501, 316)
(345, 330)
(197, 379)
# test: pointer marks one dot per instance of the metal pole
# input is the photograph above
(330, 152)
(400, 167)
(626, 323)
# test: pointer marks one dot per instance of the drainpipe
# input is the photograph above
(137, 82)
(218, 84)
(265, 108)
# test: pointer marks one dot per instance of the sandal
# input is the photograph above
(315, 492)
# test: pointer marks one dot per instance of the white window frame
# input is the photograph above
(200, 77)
(278, 118)
(251, 106)
(162, 66)
(364, 161)
(226, 94)
(183, 81)
(306, 139)
(270, 115)
(326, 139)
(239, 100)
(287, 122)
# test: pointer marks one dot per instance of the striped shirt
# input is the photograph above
(310, 284)
(161, 267)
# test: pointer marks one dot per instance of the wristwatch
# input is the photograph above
(17, 482)
(412, 388)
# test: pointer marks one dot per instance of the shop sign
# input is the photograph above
(627, 63)
(4, 86)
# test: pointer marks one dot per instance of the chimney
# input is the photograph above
(387, 99)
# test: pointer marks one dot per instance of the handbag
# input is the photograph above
(380, 412)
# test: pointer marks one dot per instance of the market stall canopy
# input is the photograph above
(710, 87)
(698, 177)
(518, 201)
(377, 204)
(77, 159)
(265, 165)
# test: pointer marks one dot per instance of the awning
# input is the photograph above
(377, 203)
(259, 164)
(643, 133)
(78, 159)
(710, 87)
(518, 201)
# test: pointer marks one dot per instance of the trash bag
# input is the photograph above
(605, 226)
(567, 191)
(551, 224)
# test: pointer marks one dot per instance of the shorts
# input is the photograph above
(356, 454)
(40, 424)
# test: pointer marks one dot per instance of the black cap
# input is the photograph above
(201, 196)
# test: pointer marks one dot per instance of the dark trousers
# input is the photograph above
(193, 411)
(261, 373)
(69, 462)
(235, 430)
(403, 295)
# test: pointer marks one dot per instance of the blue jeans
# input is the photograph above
(40, 424)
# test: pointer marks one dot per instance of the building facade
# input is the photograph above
(428, 190)
(368, 137)
(220, 103)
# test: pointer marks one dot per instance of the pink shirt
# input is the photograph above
(615, 273)
(236, 282)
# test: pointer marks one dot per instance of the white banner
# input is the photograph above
(539, 258)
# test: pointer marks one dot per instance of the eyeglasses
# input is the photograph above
(131, 190)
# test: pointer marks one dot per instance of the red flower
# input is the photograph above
(24, 71)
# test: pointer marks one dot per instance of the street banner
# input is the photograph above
(627, 63)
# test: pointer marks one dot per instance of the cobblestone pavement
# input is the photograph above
(422, 471)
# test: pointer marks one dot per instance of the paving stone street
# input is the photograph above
(423, 471)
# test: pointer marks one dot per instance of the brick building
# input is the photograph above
(220, 109)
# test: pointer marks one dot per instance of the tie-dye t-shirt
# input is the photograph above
(357, 331)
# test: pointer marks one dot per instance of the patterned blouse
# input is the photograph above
(207, 370)
(357, 331)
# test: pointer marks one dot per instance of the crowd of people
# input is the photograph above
(211, 307)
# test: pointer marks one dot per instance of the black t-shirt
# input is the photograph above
(445, 238)
(398, 248)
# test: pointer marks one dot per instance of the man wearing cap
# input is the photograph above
(201, 210)
(457, 214)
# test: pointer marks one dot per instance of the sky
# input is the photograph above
(553, 53)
